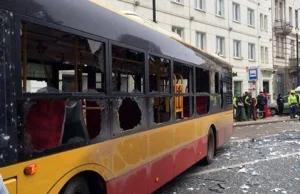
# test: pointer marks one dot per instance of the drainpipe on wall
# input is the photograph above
(154, 10)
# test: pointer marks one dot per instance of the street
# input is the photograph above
(258, 159)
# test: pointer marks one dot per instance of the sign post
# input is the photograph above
(252, 80)
(253, 74)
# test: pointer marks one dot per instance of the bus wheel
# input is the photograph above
(77, 185)
(210, 147)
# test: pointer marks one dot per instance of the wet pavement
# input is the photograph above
(249, 163)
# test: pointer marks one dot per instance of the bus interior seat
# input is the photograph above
(44, 123)
(201, 103)
(74, 126)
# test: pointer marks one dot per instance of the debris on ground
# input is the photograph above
(243, 170)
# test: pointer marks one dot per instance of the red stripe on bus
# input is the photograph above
(161, 170)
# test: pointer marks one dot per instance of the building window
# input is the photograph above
(262, 54)
(279, 46)
(251, 51)
(263, 22)
(237, 48)
(296, 18)
(251, 17)
(236, 12)
(280, 84)
(280, 11)
(220, 45)
(266, 23)
(261, 19)
(178, 31)
(220, 7)
(177, 1)
(266, 55)
(200, 38)
(291, 15)
(294, 80)
(200, 4)
(292, 49)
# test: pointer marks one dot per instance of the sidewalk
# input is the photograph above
(274, 119)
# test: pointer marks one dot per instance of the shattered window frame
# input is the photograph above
(143, 78)
(119, 125)
(78, 96)
(162, 98)
(168, 91)
(205, 94)
(182, 96)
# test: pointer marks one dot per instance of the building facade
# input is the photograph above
(239, 31)
(285, 26)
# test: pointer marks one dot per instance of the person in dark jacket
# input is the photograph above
(280, 103)
(261, 102)
(253, 108)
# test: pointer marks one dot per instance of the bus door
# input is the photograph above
(8, 133)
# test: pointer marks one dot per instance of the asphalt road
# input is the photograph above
(258, 159)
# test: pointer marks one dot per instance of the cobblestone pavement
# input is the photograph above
(258, 159)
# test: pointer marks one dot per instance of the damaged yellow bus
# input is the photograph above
(94, 102)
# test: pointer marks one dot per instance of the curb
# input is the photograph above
(259, 123)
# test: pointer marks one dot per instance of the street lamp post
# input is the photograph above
(298, 80)
(297, 49)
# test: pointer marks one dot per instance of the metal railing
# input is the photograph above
(282, 27)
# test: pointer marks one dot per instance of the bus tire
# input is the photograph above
(211, 147)
(77, 185)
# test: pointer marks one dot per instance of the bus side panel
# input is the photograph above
(224, 132)
(161, 147)
(134, 181)
(185, 152)
(161, 171)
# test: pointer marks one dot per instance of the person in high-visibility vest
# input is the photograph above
(247, 102)
(292, 101)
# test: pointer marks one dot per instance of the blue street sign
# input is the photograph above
(253, 74)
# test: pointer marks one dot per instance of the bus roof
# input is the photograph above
(102, 21)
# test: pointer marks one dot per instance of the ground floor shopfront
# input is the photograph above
(242, 82)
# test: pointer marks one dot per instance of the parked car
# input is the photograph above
(286, 109)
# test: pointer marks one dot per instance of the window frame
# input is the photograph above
(175, 29)
(111, 43)
(266, 55)
(180, 2)
(221, 5)
(223, 47)
(251, 17)
(66, 95)
(201, 4)
(21, 97)
(265, 23)
(200, 35)
(251, 47)
(262, 54)
(238, 50)
(191, 88)
(261, 19)
(162, 94)
(236, 7)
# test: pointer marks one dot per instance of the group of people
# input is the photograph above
(246, 107)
